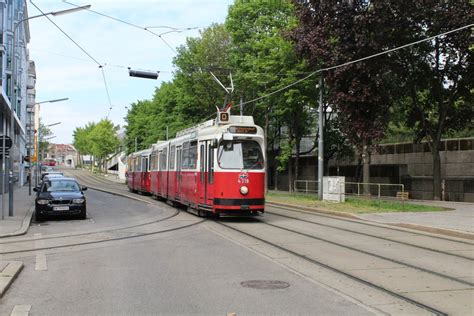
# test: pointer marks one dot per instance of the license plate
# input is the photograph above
(61, 208)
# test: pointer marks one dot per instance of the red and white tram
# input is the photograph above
(217, 167)
(138, 175)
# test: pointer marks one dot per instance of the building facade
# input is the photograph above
(14, 63)
(64, 154)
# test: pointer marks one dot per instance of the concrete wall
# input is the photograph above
(406, 163)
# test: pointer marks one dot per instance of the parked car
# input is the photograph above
(60, 196)
(50, 173)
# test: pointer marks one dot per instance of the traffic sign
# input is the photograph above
(8, 142)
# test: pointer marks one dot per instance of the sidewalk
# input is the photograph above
(461, 218)
(23, 208)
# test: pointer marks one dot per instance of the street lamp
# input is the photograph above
(30, 141)
(13, 100)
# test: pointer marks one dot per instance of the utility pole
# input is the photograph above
(241, 106)
(320, 140)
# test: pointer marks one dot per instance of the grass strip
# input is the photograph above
(353, 205)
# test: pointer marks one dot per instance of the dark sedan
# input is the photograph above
(60, 196)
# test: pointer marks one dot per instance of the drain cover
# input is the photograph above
(265, 284)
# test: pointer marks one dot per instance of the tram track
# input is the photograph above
(385, 290)
(376, 236)
(119, 232)
(366, 223)
(367, 281)
(374, 255)
(118, 238)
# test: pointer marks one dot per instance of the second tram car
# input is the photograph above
(138, 175)
(217, 167)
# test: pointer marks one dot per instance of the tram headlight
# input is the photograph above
(244, 190)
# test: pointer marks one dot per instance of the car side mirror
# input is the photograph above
(84, 188)
(35, 189)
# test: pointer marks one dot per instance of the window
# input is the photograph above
(154, 161)
(202, 162)
(136, 164)
(163, 157)
(210, 166)
(172, 157)
(240, 154)
(144, 164)
(185, 155)
(193, 155)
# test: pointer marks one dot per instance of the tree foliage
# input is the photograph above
(97, 139)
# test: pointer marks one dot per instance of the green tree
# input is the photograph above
(360, 93)
(263, 60)
(190, 98)
(81, 140)
(437, 76)
(104, 141)
(43, 143)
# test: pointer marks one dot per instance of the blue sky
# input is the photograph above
(63, 70)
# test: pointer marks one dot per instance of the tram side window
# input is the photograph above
(145, 164)
(202, 162)
(210, 166)
(172, 157)
(154, 161)
(163, 156)
(130, 164)
(137, 164)
(185, 156)
(193, 155)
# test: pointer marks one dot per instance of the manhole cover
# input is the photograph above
(265, 284)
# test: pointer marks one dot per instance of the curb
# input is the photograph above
(428, 229)
(316, 210)
(9, 274)
(24, 225)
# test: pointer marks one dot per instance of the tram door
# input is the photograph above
(206, 177)
(178, 172)
(144, 173)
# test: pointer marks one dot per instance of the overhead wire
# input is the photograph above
(355, 61)
(83, 50)
(69, 37)
(138, 26)
(106, 90)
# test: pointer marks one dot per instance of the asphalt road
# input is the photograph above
(169, 265)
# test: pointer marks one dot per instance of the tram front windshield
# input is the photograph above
(240, 154)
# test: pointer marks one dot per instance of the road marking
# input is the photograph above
(21, 310)
(41, 264)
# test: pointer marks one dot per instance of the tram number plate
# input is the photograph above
(61, 208)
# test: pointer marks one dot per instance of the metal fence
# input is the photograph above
(356, 189)
(306, 186)
(378, 190)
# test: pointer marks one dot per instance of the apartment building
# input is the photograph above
(14, 54)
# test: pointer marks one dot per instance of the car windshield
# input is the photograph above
(60, 185)
(240, 154)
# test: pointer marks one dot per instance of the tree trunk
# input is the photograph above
(436, 171)
(365, 167)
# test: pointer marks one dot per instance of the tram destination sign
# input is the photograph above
(243, 130)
